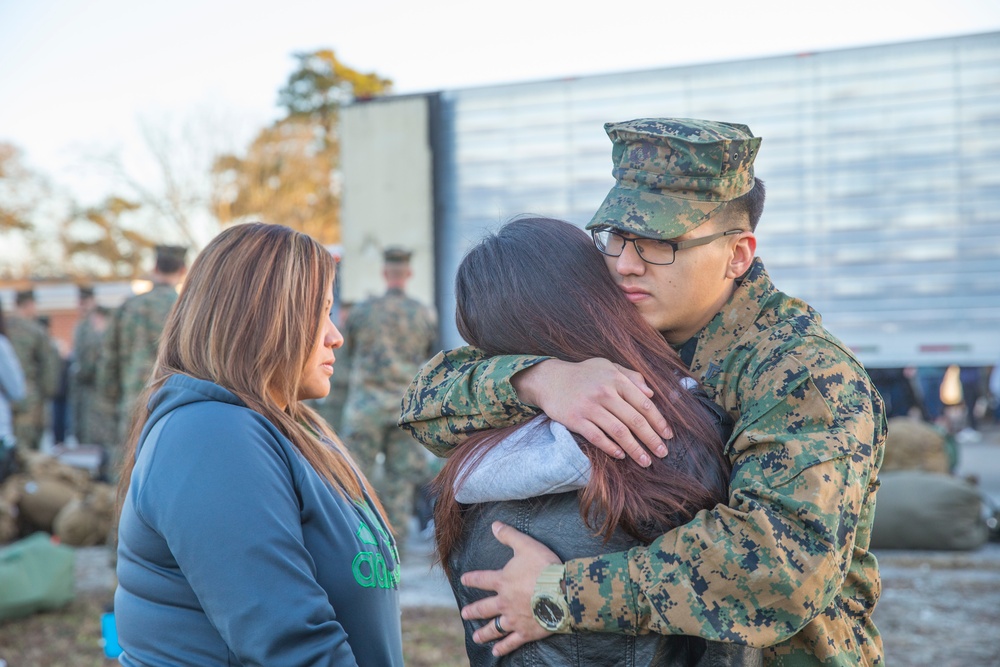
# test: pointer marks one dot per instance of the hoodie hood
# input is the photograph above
(180, 390)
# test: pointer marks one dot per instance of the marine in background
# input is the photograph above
(390, 337)
(41, 364)
(90, 414)
(131, 340)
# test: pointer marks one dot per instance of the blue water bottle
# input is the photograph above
(109, 635)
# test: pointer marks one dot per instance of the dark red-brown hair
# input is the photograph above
(539, 286)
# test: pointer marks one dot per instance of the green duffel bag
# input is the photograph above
(927, 510)
(35, 575)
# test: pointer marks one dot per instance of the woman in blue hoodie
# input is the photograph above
(247, 535)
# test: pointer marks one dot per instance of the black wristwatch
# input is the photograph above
(548, 604)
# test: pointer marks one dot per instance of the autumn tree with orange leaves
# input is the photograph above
(289, 174)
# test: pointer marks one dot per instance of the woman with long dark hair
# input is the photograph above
(248, 536)
(539, 286)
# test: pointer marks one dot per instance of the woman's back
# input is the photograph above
(556, 520)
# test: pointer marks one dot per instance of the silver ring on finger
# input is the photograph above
(496, 624)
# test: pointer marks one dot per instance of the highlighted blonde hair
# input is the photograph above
(247, 320)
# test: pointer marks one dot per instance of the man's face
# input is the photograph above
(27, 309)
(678, 299)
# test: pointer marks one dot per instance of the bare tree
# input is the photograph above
(104, 241)
(173, 180)
(28, 205)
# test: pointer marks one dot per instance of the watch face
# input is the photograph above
(548, 613)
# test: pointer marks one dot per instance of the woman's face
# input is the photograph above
(315, 379)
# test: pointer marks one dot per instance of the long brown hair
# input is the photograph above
(539, 286)
(246, 320)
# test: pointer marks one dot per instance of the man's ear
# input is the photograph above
(743, 253)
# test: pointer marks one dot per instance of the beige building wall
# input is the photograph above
(387, 194)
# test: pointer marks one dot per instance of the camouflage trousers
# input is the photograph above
(29, 427)
(397, 475)
(93, 421)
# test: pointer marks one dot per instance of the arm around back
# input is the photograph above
(462, 391)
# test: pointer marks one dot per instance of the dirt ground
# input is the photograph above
(940, 609)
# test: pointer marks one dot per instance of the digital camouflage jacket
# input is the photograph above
(389, 337)
(40, 362)
(786, 564)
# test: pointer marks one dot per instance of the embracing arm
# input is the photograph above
(462, 391)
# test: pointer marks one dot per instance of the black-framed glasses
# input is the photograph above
(651, 251)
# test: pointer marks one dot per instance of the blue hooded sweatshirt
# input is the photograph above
(233, 550)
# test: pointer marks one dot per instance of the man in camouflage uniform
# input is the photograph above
(786, 565)
(130, 344)
(389, 337)
(91, 416)
(41, 363)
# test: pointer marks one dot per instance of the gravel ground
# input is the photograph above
(940, 609)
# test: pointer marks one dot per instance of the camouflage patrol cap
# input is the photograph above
(170, 258)
(396, 255)
(177, 253)
(672, 174)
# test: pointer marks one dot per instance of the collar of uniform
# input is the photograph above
(730, 323)
(687, 349)
(394, 291)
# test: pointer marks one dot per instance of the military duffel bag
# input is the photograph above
(915, 509)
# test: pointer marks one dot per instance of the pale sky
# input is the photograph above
(78, 76)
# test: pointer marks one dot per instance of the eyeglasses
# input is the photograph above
(651, 251)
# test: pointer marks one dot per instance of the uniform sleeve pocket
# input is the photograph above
(787, 426)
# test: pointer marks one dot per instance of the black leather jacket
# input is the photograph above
(555, 520)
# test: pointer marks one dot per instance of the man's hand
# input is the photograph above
(514, 586)
(607, 404)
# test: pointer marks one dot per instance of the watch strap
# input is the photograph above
(551, 580)
(550, 587)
